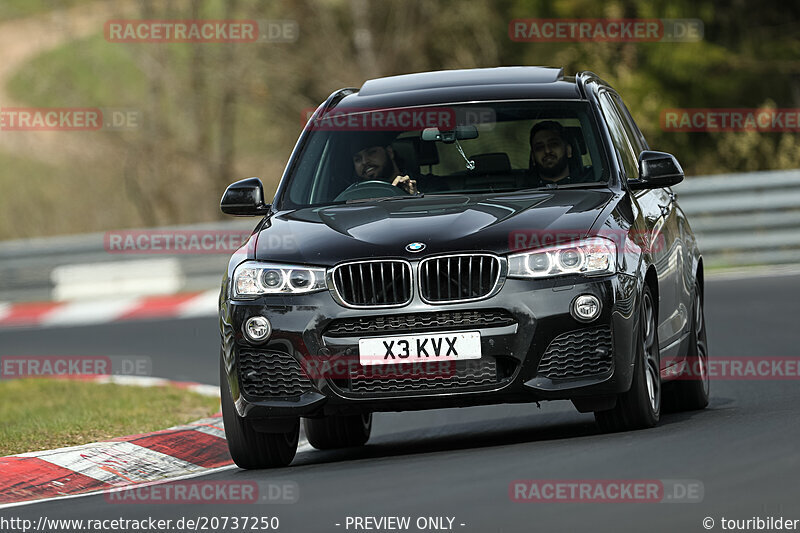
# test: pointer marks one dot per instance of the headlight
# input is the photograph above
(593, 256)
(252, 278)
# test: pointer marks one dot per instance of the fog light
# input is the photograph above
(585, 307)
(257, 329)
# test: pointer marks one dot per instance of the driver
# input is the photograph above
(374, 159)
(550, 153)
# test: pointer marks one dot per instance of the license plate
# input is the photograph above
(416, 348)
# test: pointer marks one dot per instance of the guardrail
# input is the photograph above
(54, 268)
(744, 219)
(739, 219)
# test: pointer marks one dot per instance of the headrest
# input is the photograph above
(425, 152)
(406, 155)
(493, 162)
(576, 138)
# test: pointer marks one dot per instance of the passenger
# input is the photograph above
(551, 153)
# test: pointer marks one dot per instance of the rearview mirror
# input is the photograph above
(458, 133)
(244, 198)
(657, 170)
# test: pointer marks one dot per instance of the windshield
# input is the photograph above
(362, 155)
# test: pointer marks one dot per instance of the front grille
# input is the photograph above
(419, 322)
(578, 354)
(271, 374)
(373, 283)
(468, 375)
(458, 278)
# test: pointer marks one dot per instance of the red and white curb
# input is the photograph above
(179, 452)
(101, 466)
(79, 313)
(147, 381)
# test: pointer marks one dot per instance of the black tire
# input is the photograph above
(640, 406)
(332, 432)
(249, 448)
(691, 392)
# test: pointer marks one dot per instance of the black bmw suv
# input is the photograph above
(458, 238)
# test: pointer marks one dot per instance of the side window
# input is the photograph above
(628, 154)
(634, 133)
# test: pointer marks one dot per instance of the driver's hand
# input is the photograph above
(406, 183)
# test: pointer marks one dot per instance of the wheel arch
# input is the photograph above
(699, 277)
(651, 281)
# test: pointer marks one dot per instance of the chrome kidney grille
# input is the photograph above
(459, 278)
(385, 283)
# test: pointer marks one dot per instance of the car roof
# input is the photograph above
(466, 85)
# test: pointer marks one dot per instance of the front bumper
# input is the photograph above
(301, 331)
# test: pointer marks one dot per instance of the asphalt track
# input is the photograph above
(459, 462)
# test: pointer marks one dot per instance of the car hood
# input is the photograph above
(444, 223)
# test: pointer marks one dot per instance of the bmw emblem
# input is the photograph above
(415, 247)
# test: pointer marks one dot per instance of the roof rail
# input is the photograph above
(336, 97)
(585, 77)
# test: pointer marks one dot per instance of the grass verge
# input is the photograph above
(41, 414)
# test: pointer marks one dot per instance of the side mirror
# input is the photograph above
(657, 170)
(244, 198)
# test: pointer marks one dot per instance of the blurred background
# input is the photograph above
(213, 113)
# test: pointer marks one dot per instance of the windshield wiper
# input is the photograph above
(384, 198)
(556, 186)
(418, 195)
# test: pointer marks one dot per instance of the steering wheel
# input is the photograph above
(369, 189)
